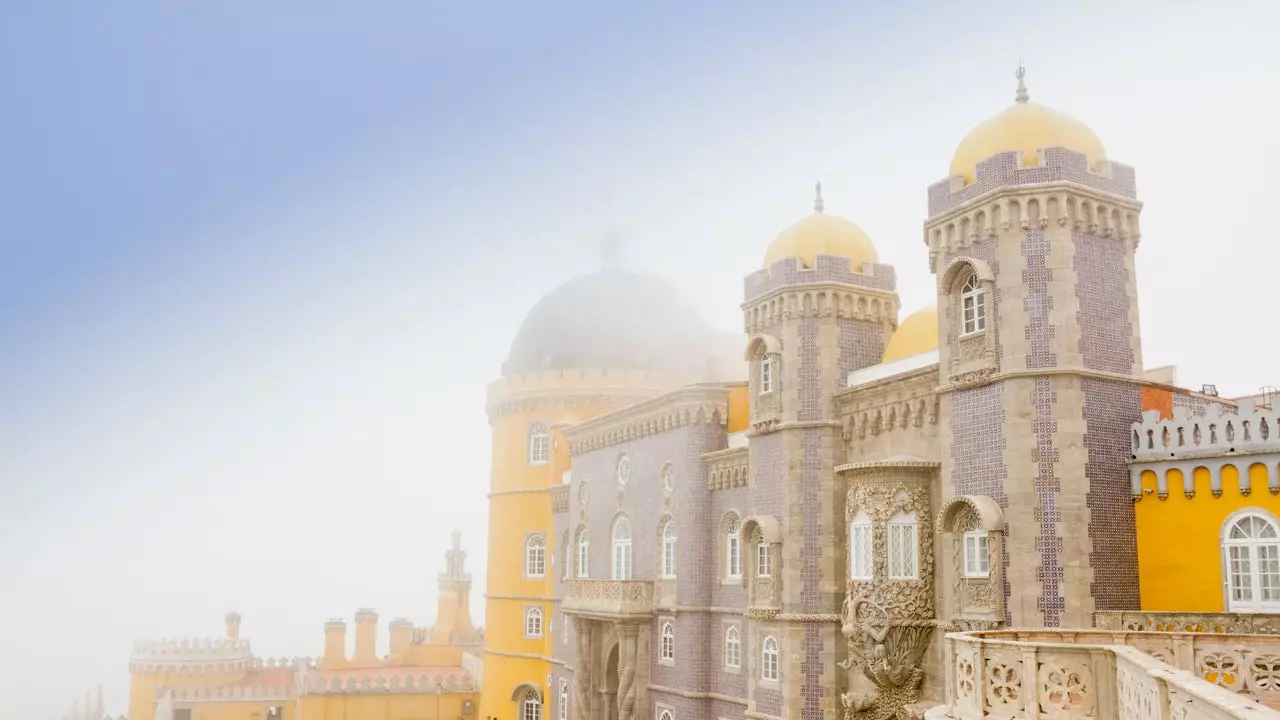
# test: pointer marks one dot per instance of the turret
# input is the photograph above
(233, 626)
(401, 631)
(335, 643)
(366, 636)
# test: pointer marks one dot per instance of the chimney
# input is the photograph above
(401, 637)
(335, 643)
(366, 636)
(233, 626)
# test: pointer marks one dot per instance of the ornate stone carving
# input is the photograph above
(627, 634)
(888, 653)
(974, 348)
(973, 378)
(582, 671)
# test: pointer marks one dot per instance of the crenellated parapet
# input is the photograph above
(827, 269)
(190, 656)
(602, 388)
(696, 404)
(1216, 432)
(1054, 165)
(454, 682)
(233, 693)
(190, 647)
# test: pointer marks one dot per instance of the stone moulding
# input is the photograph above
(696, 404)
(1246, 623)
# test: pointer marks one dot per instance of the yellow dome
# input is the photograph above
(1028, 127)
(822, 234)
(917, 334)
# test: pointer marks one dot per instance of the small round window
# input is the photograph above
(668, 478)
(624, 470)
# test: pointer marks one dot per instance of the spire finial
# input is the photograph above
(1022, 97)
(818, 205)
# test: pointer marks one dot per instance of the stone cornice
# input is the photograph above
(824, 299)
(727, 468)
(907, 379)
(697, 695)
(689, 405)
(1042, 372)
(893, 462)
(1037, 190)
(526, 656)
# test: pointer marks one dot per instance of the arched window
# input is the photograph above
(624, 470)
(1251, 546)
(973, 306)
(733, 548)
(732, 647)
(622, 549)
(584, 554)
(769, 658)
(764, 560)
(669, 549)
(903, 547)
(860, 550)
(668, 641)
(768, 370)
(531, 706)
(535, 556)
(977, 555)
(564, 699)
(665, 715)
(539, 443)
(533, 622)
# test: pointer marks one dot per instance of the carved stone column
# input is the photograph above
(582, 670)
(627, 649)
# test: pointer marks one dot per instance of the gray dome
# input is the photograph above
(611, 318)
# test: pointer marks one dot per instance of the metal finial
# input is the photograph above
(818, 205)
(1022, 95)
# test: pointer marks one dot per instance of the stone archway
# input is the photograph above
(609, 687)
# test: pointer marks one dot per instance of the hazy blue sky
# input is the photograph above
(260, 259)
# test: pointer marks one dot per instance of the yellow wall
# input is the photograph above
(428, 706)
(1179, 538)
(739, 409)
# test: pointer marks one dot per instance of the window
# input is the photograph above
(624, 470)
(766, 374)
(621, 550)
(769, 659)
(764, 560)
(533, 622)
(665, 715)
(539, 441)
(564, 699)
(973, 306)
(535, 556)
(733, 549)
(584, 554)
(903, 553)
(531, 708)
(669, 549)
(1251, 546)
(977, 558)
(668, 478)
(732, 647)
(668, 641)
(860, 547)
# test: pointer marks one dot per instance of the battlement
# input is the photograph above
(231, 693)
(191, 649)
(453, 681)
(1006, 170)
(1216, 432)
(826, 269)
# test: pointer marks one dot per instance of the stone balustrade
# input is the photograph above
(1130, 675)
(608, 599)
(1247, 623)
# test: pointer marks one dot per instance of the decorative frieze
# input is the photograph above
(819, 300)
(695, 404)
(608, 598)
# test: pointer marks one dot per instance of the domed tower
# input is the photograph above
(1032, 240)
(822, 307)
(597, 343)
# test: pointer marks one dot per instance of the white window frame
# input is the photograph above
(1252, 551)
(669, 549)
(535, 556)
(973, 306)
(976, 554)
(764, 559)
(733, 549)
(667, 642)
(903, 528)
(584, 553)
(539, 443)
(861, 549)
(732, 647)
(533, 622)
(768, 372)
(620, 567)
(769, 659)
(622, 471)
(531, 708)
(564, 699)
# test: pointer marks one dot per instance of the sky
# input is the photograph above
(261, 259)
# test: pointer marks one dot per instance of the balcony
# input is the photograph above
(608, 599)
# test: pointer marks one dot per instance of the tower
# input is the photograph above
(1032, 242)
(822, 307)
(453, 603)
(599, 342)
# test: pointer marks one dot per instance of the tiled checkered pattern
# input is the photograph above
(1047, 514)
(1109, 410)
(1102, 283)
(1038, 301)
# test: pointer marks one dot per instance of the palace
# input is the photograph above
(988, 509)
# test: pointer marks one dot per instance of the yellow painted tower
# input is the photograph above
(595, 344)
